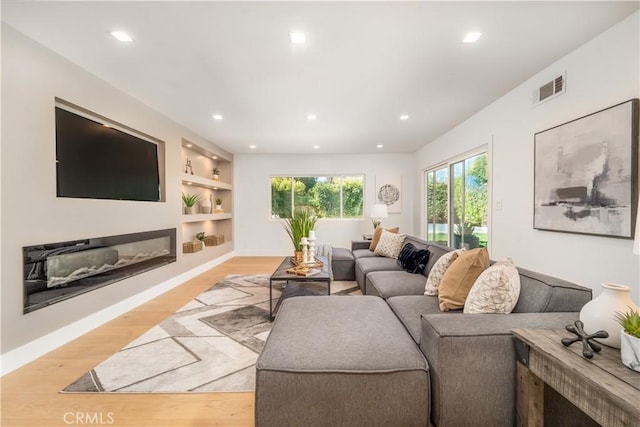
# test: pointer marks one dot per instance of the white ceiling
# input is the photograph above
(363, 66)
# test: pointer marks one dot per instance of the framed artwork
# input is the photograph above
(389, 192)
(586, 174)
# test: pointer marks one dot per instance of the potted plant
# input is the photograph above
(215, 174)
(200, 237)
(298, 225)
(630, 338)
(218, 204)
(189, 201)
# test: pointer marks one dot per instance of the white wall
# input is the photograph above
(257, 234)
(32, 76)
(601, 73)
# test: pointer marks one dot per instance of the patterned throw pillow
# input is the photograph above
(496, 290)
(438, 269)
(376, 236)
(389, 244)
(412, 259)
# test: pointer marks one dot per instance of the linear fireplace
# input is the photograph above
(54, 272)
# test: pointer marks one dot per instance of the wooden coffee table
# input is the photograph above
(281, 275)
(601, 387)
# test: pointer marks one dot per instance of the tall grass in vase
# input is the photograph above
(297, 225)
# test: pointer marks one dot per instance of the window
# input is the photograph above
(330, 196)
(457, 202)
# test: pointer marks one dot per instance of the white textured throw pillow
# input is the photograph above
(496, 290)
(438, 269)
(389, 244)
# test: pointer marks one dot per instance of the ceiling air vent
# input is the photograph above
(549, 90)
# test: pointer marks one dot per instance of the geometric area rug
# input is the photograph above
(211, 344)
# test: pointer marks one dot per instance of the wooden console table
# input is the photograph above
(602, 387)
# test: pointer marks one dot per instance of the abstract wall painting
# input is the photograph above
(389, 192)
(586, 174)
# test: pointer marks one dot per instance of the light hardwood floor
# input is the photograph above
(30, 395)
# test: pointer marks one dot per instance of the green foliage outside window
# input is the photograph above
(329, 196)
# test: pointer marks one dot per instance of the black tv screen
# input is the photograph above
(99, 162)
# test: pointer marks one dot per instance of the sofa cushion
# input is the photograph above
(412, 259)
(438, 270)
(541, 293)
(377, 233)
(460, 277)
(409, 309)
(386, 284)
(366, 265)
(389, 244)
(496, 290)
(362, 253)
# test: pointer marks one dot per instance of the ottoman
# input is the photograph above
(340, 361)
(343, 264)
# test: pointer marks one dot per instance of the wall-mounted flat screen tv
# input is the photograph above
(96, 161)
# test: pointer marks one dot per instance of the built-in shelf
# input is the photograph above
(199, 181)
(206, 217)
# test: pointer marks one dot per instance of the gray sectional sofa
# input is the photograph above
(470, 357)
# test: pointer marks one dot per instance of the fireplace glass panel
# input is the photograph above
(57, 271)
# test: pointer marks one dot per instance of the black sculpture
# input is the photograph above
(585, 338)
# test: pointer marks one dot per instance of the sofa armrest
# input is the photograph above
(360, 244)
(472, 363)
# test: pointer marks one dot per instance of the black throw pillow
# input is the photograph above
(412, 259)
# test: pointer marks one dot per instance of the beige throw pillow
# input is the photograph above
(460, 277)
(496, 290)
(437, 271)
(376, 236)
(390, 244)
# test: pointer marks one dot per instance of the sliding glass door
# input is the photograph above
(457, 202)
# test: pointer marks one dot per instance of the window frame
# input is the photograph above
(487, 149)
(341, 176)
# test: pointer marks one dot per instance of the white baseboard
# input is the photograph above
(22, 355)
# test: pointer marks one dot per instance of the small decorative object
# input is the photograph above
(187, 166)
(191, 247)
(600, 312)
(189, 201)
(377, 213)
(205, 205)
(214, 240)
(630, 339)
(219, 205)
(200, 237)
(215, 174)
(389, 192)
(298, 225)
(312, 245)
(305, 251)
(586, 339)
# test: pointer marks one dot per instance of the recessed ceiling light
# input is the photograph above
(189, 183)
(311, 117)
(297, 37)
(471, 37)
(122, 36)
(215, 157)
(252, 146)
(404, 117)
(189, 145)
(379, 146)
(217, 117)
(315, 147)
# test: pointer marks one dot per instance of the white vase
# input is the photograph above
(630, 351)
(205, 206)
(600, 313)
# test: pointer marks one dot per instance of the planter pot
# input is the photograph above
(599, 313)
(189, 210)
(215, 177)
(630, 351)
(298, 256)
